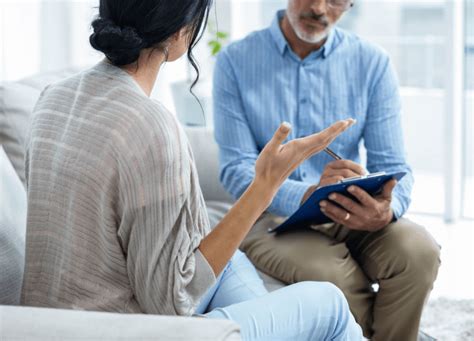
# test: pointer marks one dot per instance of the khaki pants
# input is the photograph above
(402, 258)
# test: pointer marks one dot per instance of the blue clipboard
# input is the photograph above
(309, 212)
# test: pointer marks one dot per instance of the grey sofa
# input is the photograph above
(25, 323)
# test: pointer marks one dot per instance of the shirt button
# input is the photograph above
(303, 174)
(304, 100)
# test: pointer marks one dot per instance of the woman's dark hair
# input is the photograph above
(125, 27)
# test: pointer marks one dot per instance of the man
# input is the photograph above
(305, 71)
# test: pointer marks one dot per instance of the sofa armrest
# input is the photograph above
(26, 323)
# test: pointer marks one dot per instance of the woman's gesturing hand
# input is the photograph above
(275, 163)
(277, 160)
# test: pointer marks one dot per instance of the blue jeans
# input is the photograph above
(302, 311)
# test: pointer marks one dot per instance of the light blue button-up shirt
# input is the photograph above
(260, 82)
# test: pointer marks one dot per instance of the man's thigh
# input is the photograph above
(299, 255)
(400, 246)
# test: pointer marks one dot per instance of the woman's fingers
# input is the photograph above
(280, 136)
(317, 142)
(333, 131)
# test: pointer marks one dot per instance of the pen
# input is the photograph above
(334, 155)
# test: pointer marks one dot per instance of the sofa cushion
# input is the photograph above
(12, 232)
(17, 100)
(17, 103)
(24, 323)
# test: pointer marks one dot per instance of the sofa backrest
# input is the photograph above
(17, 102)
(206, 157)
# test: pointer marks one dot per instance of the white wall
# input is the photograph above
(19, 38)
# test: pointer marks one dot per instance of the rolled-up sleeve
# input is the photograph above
(383, 136)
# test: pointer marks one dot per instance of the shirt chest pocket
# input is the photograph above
(344, 105)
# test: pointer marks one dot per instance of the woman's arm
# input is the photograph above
(275, 163)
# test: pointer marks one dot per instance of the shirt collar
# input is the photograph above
(282, 44)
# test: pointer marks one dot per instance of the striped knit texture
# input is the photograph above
(115, 211)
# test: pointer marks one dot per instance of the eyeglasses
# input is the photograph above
(340, 5)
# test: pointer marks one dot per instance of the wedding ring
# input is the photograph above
(347, 216)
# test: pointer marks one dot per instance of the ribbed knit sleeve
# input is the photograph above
(162, 217)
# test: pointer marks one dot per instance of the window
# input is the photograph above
(19, 42)
(468, 173)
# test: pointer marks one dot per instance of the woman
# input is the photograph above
(116, 218)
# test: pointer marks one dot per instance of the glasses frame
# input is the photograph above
(341, 9)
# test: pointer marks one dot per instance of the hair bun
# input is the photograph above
(121, 45)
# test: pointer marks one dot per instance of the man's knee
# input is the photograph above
(419, 253)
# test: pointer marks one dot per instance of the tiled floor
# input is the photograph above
(456, 274)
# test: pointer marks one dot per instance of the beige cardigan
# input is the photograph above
(115, 211)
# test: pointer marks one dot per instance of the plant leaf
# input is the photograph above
(215, 50)
(222, 35)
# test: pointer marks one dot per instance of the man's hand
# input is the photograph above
(334, 172)
(338, 170)
(369, 214)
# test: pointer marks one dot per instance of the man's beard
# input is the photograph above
(311, 38)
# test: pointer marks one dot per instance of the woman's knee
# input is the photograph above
(328, 305)
(319, 295)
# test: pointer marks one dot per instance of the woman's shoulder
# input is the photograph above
(112, 105)
(153, 133)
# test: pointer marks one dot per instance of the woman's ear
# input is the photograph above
(178, 36)
(178, 44)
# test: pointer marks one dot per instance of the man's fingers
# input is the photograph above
(364, 198)
(280, 135)
(388, 188)
(330, 180)
(339, 215)
(337, 212)
(347, 164)
(348, 204)
(344, 172)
